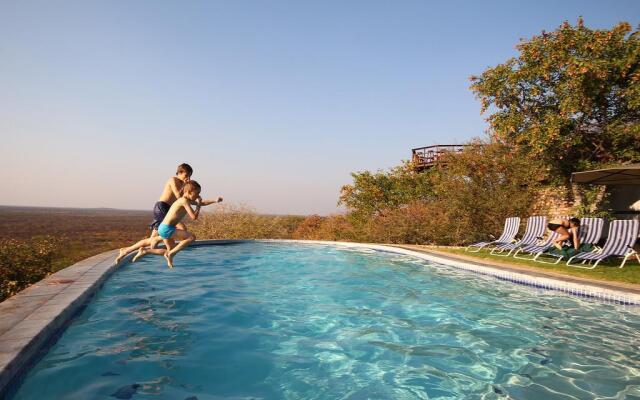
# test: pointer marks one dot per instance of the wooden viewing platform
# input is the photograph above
(429, 156)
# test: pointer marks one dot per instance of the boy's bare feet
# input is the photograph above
(141, 252)
(121, 255)
(169, 256)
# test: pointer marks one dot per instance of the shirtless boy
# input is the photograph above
(169, 231)
(170, 193)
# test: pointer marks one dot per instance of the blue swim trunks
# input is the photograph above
(165, 231)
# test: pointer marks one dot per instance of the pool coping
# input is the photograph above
(32, 319)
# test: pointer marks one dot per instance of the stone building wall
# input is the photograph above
(553, 202)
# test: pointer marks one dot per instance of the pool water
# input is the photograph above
(291, 321)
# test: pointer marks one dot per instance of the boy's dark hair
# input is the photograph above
(184, 167)
(575, 221)
(190, 187)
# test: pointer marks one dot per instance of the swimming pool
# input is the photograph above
(292, 321)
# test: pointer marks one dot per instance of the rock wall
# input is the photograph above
(553, 202)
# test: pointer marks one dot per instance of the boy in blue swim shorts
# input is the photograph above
(169, 230)
(170, 193)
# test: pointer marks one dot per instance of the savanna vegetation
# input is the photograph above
(35, 242)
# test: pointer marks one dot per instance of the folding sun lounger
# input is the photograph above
(511, 227)
(590, 233)
(534, 250)
(535, 229)
(622, 236)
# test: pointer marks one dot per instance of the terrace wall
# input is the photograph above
(553, 202)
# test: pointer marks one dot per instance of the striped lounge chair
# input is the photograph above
(590, 233)
(622, 236)
(535, 229)
(511, 227)
(534, 250)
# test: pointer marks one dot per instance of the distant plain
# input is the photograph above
(81, 233)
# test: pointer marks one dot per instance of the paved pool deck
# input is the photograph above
(32, 320)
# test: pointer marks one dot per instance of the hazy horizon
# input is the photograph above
(273, 104)
(148, 211)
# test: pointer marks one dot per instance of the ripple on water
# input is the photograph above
(284, 321)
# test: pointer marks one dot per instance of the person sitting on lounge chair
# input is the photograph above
(567, 243)
(567, 230)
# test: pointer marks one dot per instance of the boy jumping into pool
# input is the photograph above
(170, 193)
(168, 230)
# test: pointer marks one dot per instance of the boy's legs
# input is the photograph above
(185, 238)
(142, 243)
(169, 244)
(153, 250)
(160, 210)
(142, 251)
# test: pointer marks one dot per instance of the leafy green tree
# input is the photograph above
(570, 98)
(374, 192)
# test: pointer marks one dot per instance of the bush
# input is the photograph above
(375, 193)
(482, 186)
(465, 200)
(23, 263)
(415, 223)
(334, 227)
(239, 222)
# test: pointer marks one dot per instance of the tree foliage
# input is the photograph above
(482, 186)
(465, 200)
(374, 192)
(570, 98)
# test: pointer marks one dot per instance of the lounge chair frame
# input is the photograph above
(622, 236)
(535, 229)
(509, 232)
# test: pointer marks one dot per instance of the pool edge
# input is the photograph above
(31, 319)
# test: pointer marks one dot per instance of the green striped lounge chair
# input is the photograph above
(622, 236)
(535, 229)
(590, 233)
(511, 227)
(531, 251)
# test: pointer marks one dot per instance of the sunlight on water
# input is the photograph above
(283, 321)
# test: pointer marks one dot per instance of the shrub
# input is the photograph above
(482, 186)
(375, 193)
(240, 222)
(415, 223)
(23, 263)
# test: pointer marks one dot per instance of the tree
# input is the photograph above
(482, 186)
(463, 200)
(571, 98)
(374, 192)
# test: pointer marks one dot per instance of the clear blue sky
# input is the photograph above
(274, 103)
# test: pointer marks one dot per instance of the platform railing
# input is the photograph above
(429, 156)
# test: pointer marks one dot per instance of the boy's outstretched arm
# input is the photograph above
(208, 202)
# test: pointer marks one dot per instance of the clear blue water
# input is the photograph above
(287, 321)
